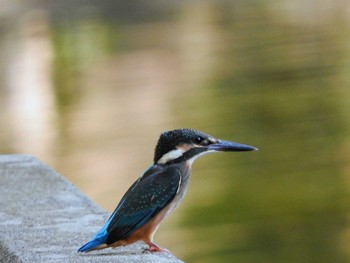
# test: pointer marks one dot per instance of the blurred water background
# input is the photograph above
(88, 86)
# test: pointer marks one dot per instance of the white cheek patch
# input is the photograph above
(172, 155)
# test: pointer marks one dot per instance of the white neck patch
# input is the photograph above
(172, 155)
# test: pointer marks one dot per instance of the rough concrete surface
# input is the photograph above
(44, 218)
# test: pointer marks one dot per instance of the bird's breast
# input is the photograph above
(185, 172)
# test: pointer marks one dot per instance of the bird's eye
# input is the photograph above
(198, 140)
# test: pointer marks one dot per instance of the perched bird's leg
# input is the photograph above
(153, 247)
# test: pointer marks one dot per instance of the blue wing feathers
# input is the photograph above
(150, 195)
(144, 199)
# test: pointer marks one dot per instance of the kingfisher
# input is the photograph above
(159, 190)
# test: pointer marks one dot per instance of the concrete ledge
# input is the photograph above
(44, 218)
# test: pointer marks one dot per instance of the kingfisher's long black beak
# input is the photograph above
(226, 146)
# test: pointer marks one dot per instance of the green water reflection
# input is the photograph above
(272, 76)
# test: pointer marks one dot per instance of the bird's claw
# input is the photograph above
(153, 247)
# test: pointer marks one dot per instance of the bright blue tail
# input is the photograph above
(90, 245)
(99, 239)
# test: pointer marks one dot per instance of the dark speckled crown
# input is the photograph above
(170, 139)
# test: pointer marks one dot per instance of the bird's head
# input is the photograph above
(187, 144)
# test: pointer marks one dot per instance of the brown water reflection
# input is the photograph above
(90, 96)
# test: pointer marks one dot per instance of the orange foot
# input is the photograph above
(153, 247)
